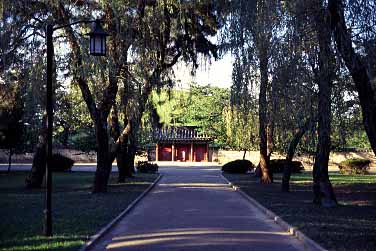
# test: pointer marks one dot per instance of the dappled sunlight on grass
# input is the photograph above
(335, 178)
(59, 242)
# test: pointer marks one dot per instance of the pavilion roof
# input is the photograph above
(181, 134)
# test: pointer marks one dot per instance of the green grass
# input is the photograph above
(350, 226)
(77, 213)
(335, 178)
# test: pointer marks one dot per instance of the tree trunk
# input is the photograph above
(38, 169)
(291, 151)
(272, 107)
(123, 153)
(266, 175)
(129, 161)
(100, 112)
(122, 159)
(270, 138)
(104, 165)
(116, 142)
(132, 147)
(322, 188)
(245, 152)
(357, 68)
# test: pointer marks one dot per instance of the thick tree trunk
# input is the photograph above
(123, 153)
(272, 107)
(122, 159)
(270, 138)
(266, 175)
(38, 169)
(322, 188)
(104, 165)
(98, 113)
(129, 163)
(357, 68)
(285, 187)
(132, 147)
(114, 133)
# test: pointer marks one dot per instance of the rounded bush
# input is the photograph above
(354, 166)
(238, 166)
(61, 163)
(146, 167)
(278, 165)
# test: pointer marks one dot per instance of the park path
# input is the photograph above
(193, 209)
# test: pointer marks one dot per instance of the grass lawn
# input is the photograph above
(351, 226)
(77, 213)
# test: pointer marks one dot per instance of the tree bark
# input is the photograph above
(38, 169)
(262, 40)
(104, 165)
(119, 151)
(132, 147)
(357, 68)
(285, 187)
(100, 112)
(127, 141)
(322, 188)
(266, 175)
(123, 153)
(272, 107)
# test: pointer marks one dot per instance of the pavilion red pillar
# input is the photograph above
(191, 155)
(207, 153)
(173, 152)
(156, 152)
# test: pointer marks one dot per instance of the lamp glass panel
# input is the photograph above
(92, 45)
(98, 45)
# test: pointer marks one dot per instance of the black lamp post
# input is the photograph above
(97, 48)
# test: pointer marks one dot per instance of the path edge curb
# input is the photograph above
(307, 242)
(96, 237)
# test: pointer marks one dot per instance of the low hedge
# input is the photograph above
(61, 163)
(278, 165)
(146, 167)
(354, 166)
(238, 166)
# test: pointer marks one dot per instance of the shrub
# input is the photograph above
(277, 166)
(61, 163)
(354, 166)
(238, 166)
(146, 167)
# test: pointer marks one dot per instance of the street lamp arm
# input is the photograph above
(74, 23)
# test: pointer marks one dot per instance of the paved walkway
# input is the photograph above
(192, 208)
